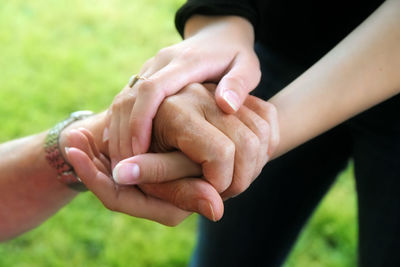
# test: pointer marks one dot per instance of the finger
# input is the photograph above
(181, 125)
(151, 92)
(155, 168)
(106, 134)
(125, 139)
(113, 142)
(191, 194)
(208, 146)
(243, 76)
(261, 129)
(129, 200)
(90, 139)
(79, 140)
(246, 145)
(103, 160)
(269, 113)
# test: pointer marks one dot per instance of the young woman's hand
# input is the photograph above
(216, 49)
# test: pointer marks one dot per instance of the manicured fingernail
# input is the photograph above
(126, 173)
(205, 209)
(231, 98)
(105, 135)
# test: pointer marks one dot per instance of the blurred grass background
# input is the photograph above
(60, 56)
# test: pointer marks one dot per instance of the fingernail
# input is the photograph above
(105, 135)
(205, 209)
(66, 150)
(231, 98)
(212, 212)
(126, 173)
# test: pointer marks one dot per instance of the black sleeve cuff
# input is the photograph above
(234, 8)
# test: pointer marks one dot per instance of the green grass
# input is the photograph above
(60, 56)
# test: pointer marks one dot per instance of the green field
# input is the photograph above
(60, 56)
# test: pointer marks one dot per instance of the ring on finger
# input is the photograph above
(133, 80)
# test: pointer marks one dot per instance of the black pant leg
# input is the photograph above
(377, 168)
(260, 226)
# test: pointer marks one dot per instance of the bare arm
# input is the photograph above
(36, 193)
(30, 192)
(360, 72)
(29, 189)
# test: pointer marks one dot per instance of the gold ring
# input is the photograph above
(134, 80)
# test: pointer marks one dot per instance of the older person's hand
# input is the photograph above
(231, 149)
(88, 155)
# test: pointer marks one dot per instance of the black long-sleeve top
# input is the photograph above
(303, 30)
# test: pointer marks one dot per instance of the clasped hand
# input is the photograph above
(198, 157)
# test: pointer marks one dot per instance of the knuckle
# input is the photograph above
(251, 145)
(150, 86)
(225, 150)
(188, 53)
(122, 99)
(176, 195)
(159, 171)
(171, 102)
(264, 130)
(117, 102)
(196, 89)
(163, 53)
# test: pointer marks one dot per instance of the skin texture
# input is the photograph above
(362, 71)
(232, 64)
(30, 192)
(192, 123)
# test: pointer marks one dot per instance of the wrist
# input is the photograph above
(234, 25)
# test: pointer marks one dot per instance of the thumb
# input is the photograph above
(155, 168)
(243, 76)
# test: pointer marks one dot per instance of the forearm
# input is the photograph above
(29, 189)
(362, 71)
(235, 25)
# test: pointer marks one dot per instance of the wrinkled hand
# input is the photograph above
(230, 62)
(231, 149)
